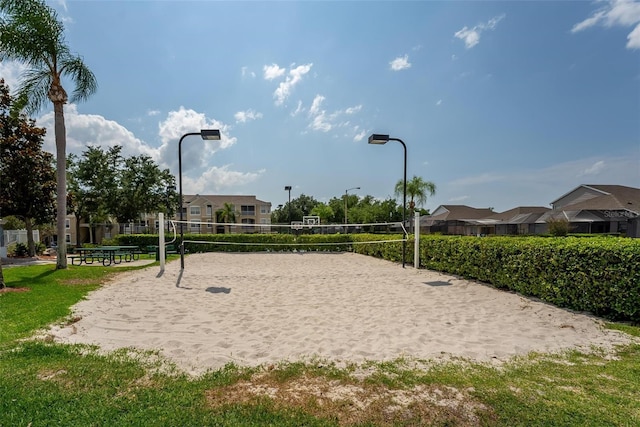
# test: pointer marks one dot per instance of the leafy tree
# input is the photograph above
(324, 211)
(92, 185)
(417, 190)
(27, 176)
(13, 223)
(227, 214)
(31, 33)
(104, 184)
(144, 187)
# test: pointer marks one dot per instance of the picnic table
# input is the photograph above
(107, 255)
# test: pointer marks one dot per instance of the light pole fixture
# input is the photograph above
(346, 197)
(288, 188)
(379, 139)
(207, 135)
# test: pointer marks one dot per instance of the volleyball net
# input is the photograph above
(309, 234)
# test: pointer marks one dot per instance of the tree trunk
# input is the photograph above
(31, 246)
(78, 242)
(61, 187)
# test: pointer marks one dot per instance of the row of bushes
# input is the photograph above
(599, 275)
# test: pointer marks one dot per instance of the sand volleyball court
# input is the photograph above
(260, 308)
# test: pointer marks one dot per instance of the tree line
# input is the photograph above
(353, 209)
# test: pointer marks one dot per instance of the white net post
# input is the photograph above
(416, 244)
(161, 247)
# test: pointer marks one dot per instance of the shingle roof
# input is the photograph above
(616, 197)
(457, 212)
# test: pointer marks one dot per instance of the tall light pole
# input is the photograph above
(383, 139)
(206, 134)
(346, 197)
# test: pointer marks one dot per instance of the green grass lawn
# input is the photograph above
(44, 383)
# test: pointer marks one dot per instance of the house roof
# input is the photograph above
(520, 210)
(613, 197)
(459, 212)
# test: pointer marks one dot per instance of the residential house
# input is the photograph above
(610, 209)
(459, 219)
(596, 208)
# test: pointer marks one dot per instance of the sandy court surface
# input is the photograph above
(254, 309)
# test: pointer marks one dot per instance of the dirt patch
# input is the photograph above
(7, 290)
(358, 402)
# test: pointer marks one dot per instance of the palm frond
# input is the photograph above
(32, 93)
(30, 31)
(84, 79)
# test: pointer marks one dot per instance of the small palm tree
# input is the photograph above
(227, 214)
(417, 190)
(31, 33)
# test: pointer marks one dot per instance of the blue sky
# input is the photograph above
(500, 104)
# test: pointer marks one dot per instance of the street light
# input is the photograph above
(346, 197)
(381, 140)
(207, 135)
(288, 188)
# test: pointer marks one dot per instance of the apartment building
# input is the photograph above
(202, 215)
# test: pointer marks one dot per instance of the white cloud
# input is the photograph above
(324, 122)
(246, 72)
(10, 71)
(360, 136)
(439, 102)
(244, 116)
(616, 13)
(353, 110)
(196, 153)
(400, 63)
(273, 71)
(315, 105)
(295, 76)
(298, 109)
(321, 122)
(219, 179)
(471, 36)
(152, 113)
(594, 169)
(91, 129)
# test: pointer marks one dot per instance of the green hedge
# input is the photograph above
(600, 274)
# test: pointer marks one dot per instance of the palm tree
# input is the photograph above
(417, 189)
(227, 214)
(31, 33)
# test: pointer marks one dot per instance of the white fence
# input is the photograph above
(15, 236)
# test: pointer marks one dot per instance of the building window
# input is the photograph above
(264, 221)
(264, 209)
(194, 224)
(67, 238)
(194, 210)
(209, 211)
(67, 223)
(247, 210)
